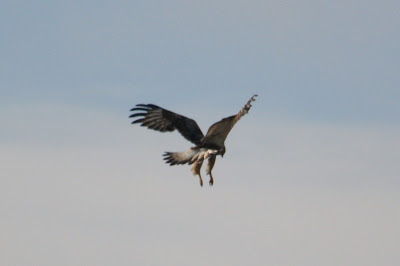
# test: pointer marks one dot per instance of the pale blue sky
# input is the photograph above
(310, 176)
(309, 60)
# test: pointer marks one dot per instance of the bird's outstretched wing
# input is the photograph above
(218, 132)
(160, 119)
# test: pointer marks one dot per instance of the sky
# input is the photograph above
(310, 175)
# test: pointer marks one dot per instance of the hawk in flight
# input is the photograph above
(206, 147)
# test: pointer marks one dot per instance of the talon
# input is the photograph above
(211, 182)
(201, 182)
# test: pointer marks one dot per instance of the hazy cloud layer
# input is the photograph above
(83, 191)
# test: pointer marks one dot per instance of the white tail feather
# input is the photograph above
(190, 156)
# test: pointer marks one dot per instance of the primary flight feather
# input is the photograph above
(207, 147)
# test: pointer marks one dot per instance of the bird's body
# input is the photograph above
(207, 147)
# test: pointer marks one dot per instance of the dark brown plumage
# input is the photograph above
(207, 147)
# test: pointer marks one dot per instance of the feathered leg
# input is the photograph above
(210, 166)
(196, 169)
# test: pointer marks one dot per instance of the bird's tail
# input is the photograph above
(190, 156)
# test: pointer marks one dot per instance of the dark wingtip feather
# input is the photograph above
(153, 106)
(137, 114)
(137, 121)
(149, 106)
(140, 109)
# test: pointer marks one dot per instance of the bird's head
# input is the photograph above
(222, 151)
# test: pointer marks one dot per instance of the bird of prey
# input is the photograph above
(206, 147)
